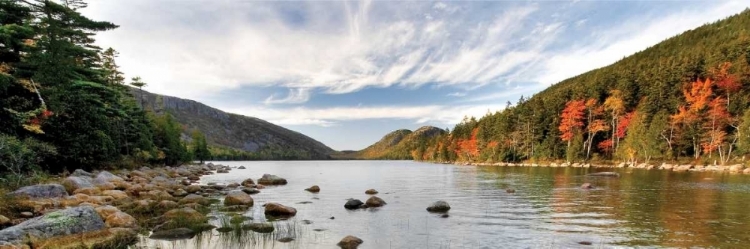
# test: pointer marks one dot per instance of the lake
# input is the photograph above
(642, 208)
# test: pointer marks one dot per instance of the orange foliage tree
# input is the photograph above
(571, 119)
(469, 148)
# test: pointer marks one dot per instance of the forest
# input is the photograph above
(685, 99)
(65, 104)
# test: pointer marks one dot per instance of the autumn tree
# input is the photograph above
(571, 120)
(689, 116)
(616, 108)
(595, 124)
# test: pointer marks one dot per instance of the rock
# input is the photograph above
(41, 191)
(605, 174)
(371, 192)
(4, 221)
(259, 227)
(105, 176)
(375, 202)
(106, 210)
(193, 189)
(275, 209)
(587, 186)
(683, 167)
(736, 168)
(241, 167)
(27, 214)
(116, 194)
(248, 183)
(193, 198)
(445, 216)
(268, 179)
(350, 242)
(88, 191)
(165, 204)
(173, 234)
(121, 219)
(233, 185)
(180, 193)
(510, 191)
(218, 187)
(250, 191)
(353, 204)
(185, 182)
(259, 186)
(746, 171)
(307, 222)
(438, 207)
(185, 214)
(222, 171)
(285, 240)
(238, 198)
(72, 183)
(64, 222)
(81, 173)
(193, 178)
(313, 189)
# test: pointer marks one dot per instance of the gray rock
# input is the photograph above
(41, 191)
(353, 204)
(439, 207)
(72, 183)
(83, 173)
(59, 223)
(105, 176)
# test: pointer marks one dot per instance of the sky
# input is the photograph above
(347, 72)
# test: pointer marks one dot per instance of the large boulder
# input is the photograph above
(375, 202)
(188, 215)
(64, 222)
(269, 179)
(81, 173)
(41, 191)
(238, 197)
(105, 177)
(313, 189)
(193, 189)
(193, 198)
(275, 209)
(72, 183)
(248, 183)
(350, 242)
(121, 219)
(353, 204)
(439, 207)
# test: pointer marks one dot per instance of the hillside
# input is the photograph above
(684, 99)
(234, 131)
(400, 144)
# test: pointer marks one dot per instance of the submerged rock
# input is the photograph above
(375, 202)
(41, 191)
(173, 234)
(259, 227)
(313, 189)
(510, 191)
(269, 179)
(350, 242)
(250, 191)
(587, 186)
(241, 167)
(439, 207)
(275, 209)
(353, 204)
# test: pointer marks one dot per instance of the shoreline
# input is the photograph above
(734, 168)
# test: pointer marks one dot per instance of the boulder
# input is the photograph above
(375, 202)
(605, 174)
(41, 191)
(371, 192)
(4, 221)
(350, 242)
(275, 209)
(81, 173)
(185, 215)
(587, 186)
(193, 189)
(72, 183)
(233, 185)
(106, 176)
(248, 182)
(268, 179)
(313, 189)
(259, 227)
(353, 204)
(121, 219)
(180, 193)
(250, 191)
(238, 198)
(241, 167)
(173, 234)
(193, 198)
(193, 178)
(439, 207)
(64, 222)
(88, 191)
(166, 204)
(510, 191)
(106, 210)
(746, 171)
(27, 214)
(116, 194)
(736, 168)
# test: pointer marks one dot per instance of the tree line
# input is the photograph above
(684, 99)
(65, 104)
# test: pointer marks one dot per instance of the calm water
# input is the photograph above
(549, 210)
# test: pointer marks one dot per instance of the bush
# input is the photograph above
(20, 159)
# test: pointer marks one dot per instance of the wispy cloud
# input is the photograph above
(295, 96)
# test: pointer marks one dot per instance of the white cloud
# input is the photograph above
(456, 94)
(295, 96)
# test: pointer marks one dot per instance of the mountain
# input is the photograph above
(233, 131)
(685, 99)
(400, 144)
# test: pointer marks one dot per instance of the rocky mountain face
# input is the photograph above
(400, 143)
(232, 130)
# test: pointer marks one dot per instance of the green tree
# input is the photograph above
(200, 147)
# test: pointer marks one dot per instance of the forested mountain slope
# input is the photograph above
(685, 98)
(400, 144)
(239, 132)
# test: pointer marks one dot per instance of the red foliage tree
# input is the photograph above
(571, 119)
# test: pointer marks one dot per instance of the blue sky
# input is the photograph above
(348, 72)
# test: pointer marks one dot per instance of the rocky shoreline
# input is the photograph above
(735, 168)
